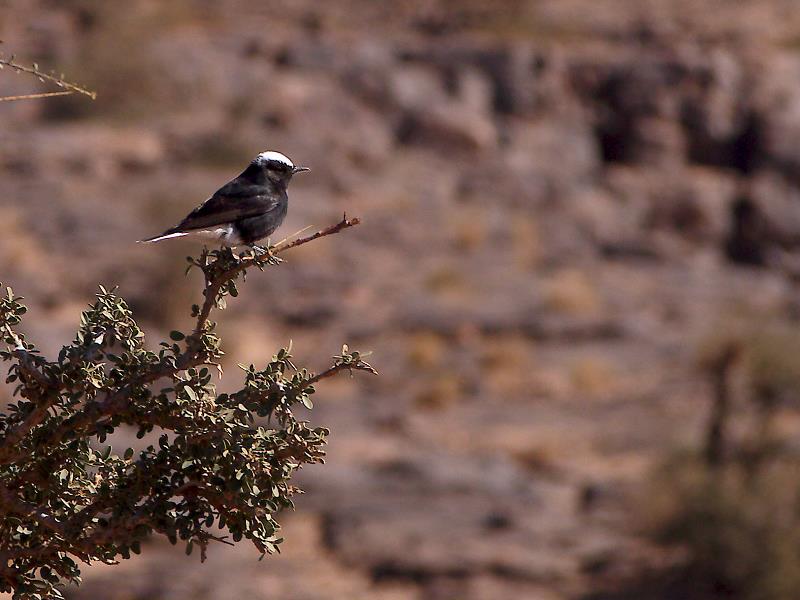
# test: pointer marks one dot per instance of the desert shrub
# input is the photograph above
(734, 507)
(220, 465)
(740, 534)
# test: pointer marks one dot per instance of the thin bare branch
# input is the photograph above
(42, 76)
(35, 96)
(340, 226)
(331, 371)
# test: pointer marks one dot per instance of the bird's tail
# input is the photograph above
(168, 234)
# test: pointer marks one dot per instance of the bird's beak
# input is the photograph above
(299, 170)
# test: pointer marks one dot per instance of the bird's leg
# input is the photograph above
(259, 250)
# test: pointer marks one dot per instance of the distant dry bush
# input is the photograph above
(734, 508)
(741, 533)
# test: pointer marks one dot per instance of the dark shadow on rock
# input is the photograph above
(747, 240)
(668, 584)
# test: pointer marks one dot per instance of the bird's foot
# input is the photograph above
(261, 250)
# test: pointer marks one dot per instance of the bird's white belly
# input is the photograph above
(227, 235)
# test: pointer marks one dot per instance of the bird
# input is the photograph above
(246, 209)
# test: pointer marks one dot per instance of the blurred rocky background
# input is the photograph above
(578, 270)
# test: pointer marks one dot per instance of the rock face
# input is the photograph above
(559, 199)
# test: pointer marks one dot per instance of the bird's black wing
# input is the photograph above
(235, 200)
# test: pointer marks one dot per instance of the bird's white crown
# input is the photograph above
(272, 155)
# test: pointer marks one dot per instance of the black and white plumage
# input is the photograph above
(244, 210)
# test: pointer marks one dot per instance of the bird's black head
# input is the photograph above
(276, 167)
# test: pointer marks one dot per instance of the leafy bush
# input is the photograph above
(66, 496)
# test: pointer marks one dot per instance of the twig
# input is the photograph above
(9, 448)
(42, 76)
(341, 225)
(303, 230)
(213, 286)
(329, 372)
(12, 504)
(35, 96)
(359, 365)
(27, 365)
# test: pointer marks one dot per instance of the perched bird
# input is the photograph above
(244, 210)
